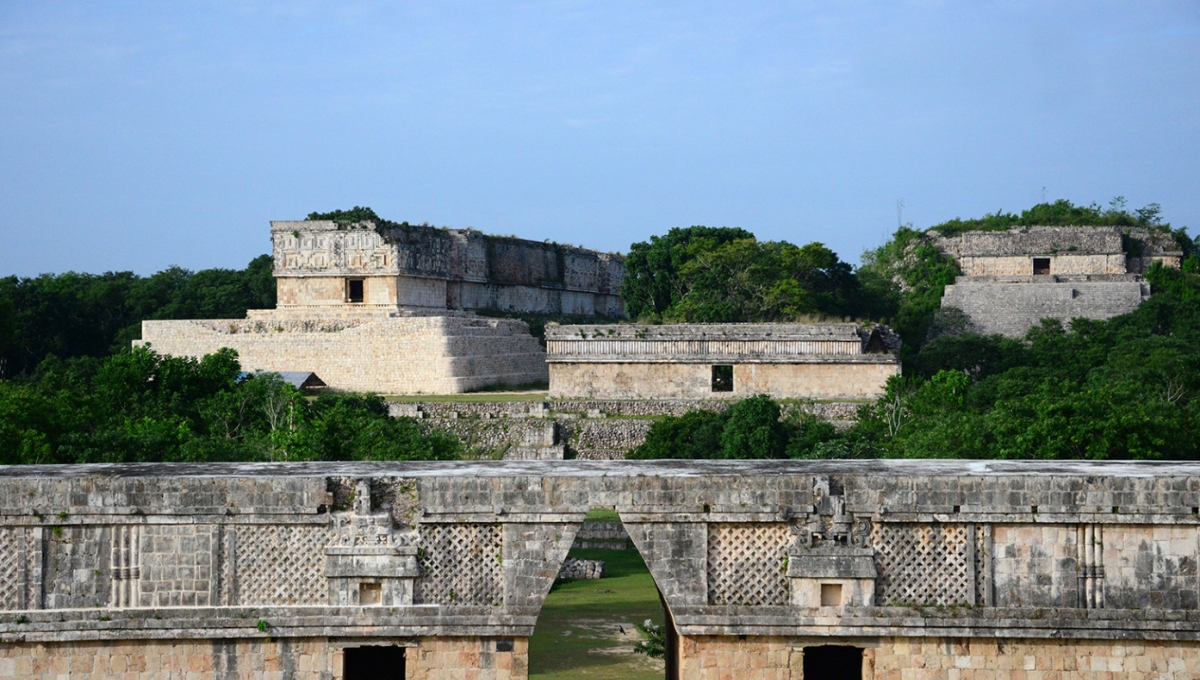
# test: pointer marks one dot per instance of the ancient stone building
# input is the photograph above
(779, 570)
(1013, 279)
(389, 310)
(694, 361)
(331, 268)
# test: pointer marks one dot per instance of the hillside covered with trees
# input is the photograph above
(72, 390)
(1123, 388)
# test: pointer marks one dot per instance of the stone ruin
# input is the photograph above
(768, 570)
(1011, 280)
(391, 310)
(702, 361)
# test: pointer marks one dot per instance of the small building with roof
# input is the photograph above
(1013, 279)
(702, 361)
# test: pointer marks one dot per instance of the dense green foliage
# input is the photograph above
(92, 315)
(1060, 213)
(724, 275)
(905, 278)
(751, 428)
(345, 217)
(1124, 388)
(652, 281)
(137, 406)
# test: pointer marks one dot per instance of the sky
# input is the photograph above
(139, 135)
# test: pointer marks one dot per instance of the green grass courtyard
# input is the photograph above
(579, 631)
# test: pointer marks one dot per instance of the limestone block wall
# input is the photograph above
(590, 429)
(1011, 308)
(862, 380)
(816, 380)
(469, 658)
(403, 355)
(443, 269)
(1026, 241)
(1061, 264)
(977, 567)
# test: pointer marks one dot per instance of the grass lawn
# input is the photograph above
(469, 397)
(578, 632)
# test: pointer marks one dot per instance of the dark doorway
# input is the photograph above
(354, 290)
(373, 663)
(722, 378)
(1041, 265)
(832, 663)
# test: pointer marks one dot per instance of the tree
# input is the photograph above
(753, 430)
(651, 284)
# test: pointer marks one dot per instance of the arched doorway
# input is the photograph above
(589, 627)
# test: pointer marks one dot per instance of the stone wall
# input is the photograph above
(933, 568)
(1022, 265)
(676, 361)
(581, 569)
(959, 658)
(260, 659)
(1010, 308)
(589, 429)
(602, 536)
(404, 355)
(862, 379)
(1025, 241)
(430, 268)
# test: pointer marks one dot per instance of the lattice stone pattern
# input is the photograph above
(924, 564)
(10, 568)
(282, 565)
(460, 564)
(747, 564)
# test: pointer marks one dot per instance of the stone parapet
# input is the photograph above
(170, 560)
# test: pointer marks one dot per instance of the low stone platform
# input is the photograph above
(1010, 306)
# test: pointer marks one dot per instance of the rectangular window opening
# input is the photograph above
(831, 594)
(1041, 265)
(354, 290)
(370, 594)
(830, 662)
(373, 663)
(722, 378)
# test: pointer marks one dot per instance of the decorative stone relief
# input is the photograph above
(830, 562)
(460, 564)
(372, 559)
(281, 564)
(746, 563)
(924, 564)
(12, 551)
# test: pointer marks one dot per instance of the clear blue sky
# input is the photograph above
(136, 135)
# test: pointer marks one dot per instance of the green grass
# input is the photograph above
(470, 397)
(577, 634)
(602, 515)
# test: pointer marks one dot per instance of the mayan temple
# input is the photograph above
(1013, 279)
(391, 309)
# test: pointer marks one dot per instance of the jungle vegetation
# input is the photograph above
(72, 390)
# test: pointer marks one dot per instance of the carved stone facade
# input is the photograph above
(1013, 279)
(360, 268)
(390, 310)
(910, 568)
(699, 361)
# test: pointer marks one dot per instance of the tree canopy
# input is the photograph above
(92, 315)
(725, 275)
(139, 406)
